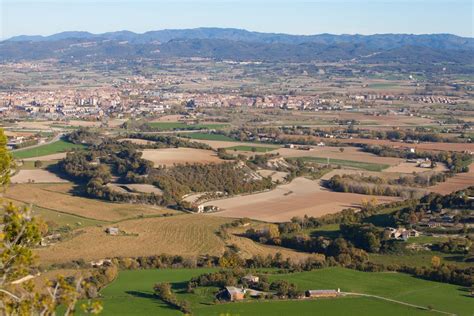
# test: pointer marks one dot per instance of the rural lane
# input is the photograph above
(398, 302)
(54, 139)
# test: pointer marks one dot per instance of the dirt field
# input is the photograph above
(171, 156)
(145, 188)
(56, 197)
(136, 141)
(275, 175)
(183, 235)
(225, 144)
(36, 176)
(36, 125)
(57, 156)
(300, 197)
(408, 167)
(460, 147)
(15, 133)
(349, 153)
(458, 182)
(169, 118)
(177, 235)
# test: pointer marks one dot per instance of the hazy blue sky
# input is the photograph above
(297, 17)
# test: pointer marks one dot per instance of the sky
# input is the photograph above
(45, 17)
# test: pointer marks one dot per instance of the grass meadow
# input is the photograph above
(131, 294)
(44, 150)
(348, 163)
(207, 136)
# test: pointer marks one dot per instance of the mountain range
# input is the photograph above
(237, 44)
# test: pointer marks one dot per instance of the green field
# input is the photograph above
(397, 286)
(258, 149)
(418, 258)
(44, 150)
(348, 163)
(131, 294)
(387, 85)
(207, 136)
(343, 306)
(179, 125)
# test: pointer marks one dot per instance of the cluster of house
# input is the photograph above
(447, 220)
(401, 233)
(234, 293)
(415, 98)
(207, 208)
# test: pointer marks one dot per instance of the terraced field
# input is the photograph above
(58, 197)
(186, 235)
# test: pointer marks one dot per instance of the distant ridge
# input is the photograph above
(238, 44)
(385, 41)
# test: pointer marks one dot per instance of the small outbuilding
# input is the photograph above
(112, 231)
(249, 278)
(233, 293)
(323, 293)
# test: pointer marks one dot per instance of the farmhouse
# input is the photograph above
(323, 293)
(207, 208)
(100, 263)
(401, 233)
(234, 293)
(112, 231)
(251, 278)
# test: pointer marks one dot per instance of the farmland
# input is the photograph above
(186, 235)
(401, 287)
(426, 146)
(259, 149)
(457, 182)
(350, 154)
(59, 197)
(48, 149)
(192, 164)
(36, 176)
(294, 199)
(207, 136)
(182, 126)
(135, 288)
(181, 235)
(56, 219)
(348, 163)
(215, 144)
(171, 156)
